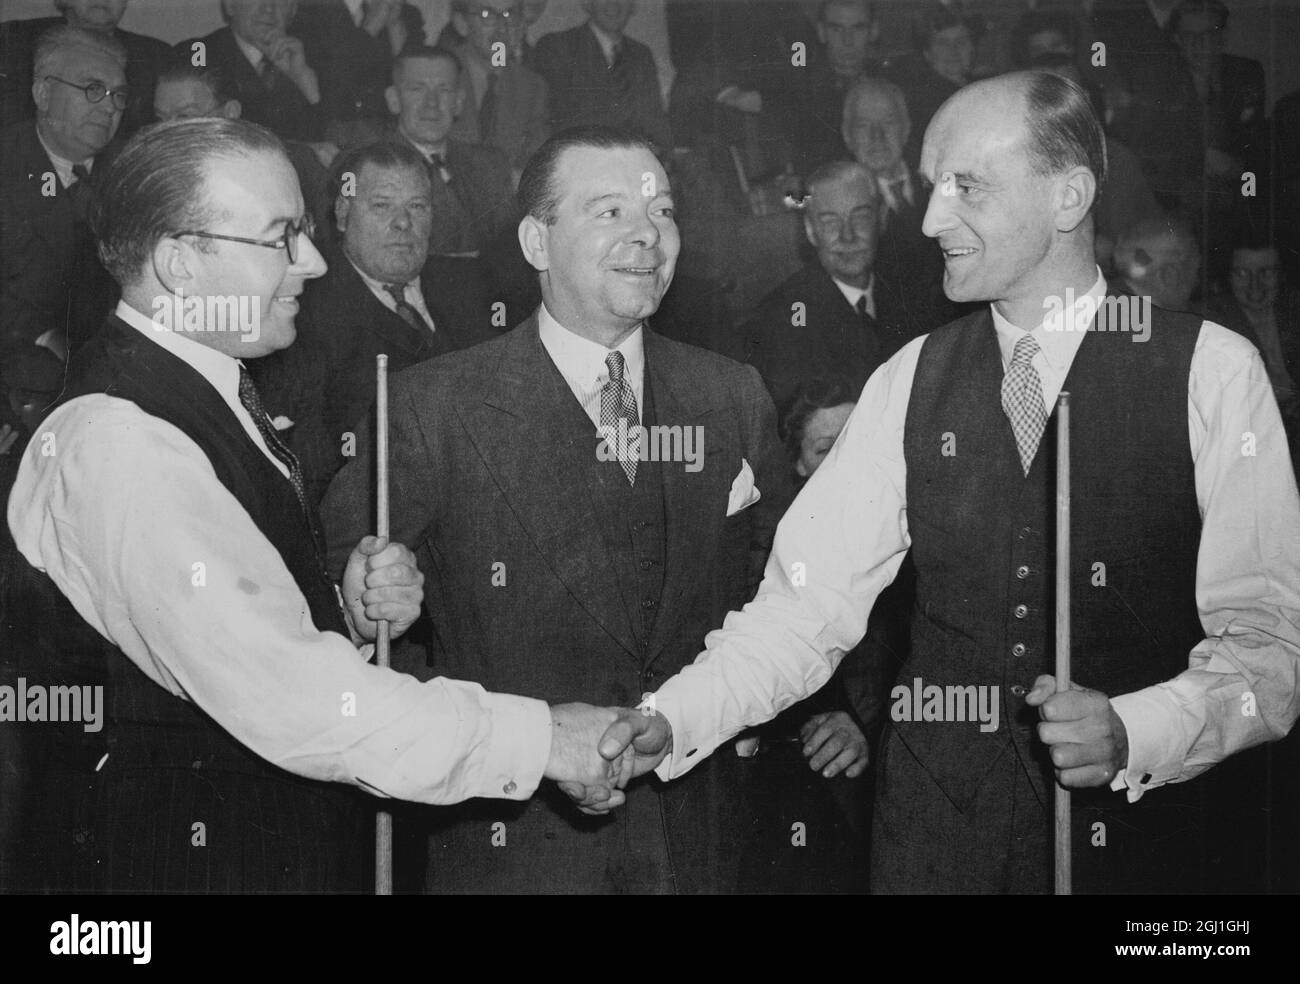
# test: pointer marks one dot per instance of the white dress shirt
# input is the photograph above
(851, 294)
(582, 363)
(251, 51)
(412, 294)
(62, 166)
(120, 516)
(846, 534)
(357, 9)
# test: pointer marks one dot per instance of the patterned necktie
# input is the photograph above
(405, 310)
(1022, 400)
(252, 401)
(618, 402)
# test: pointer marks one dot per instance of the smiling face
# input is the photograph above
(993, 217)
(386, 224)
(843, 222)
(75, 127)
(1254, 278)
(259, 22)
(93, 15)
(875, 131)
(259, 195)
(426, 97)
(609, 256)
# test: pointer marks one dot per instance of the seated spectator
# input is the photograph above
(1269, 316)
(351, 44)
(186, 92)
(144, 55)
(376, 297)
(944, 41)
(506, 105)
(268, 67)
(1042, 32)
(473, 196)
(807, 101)
(1159, 258)
(836, 315)
(55, 292)
(876, 127)
(597, 74)
(1127, 197)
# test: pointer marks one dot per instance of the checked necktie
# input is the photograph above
(1022, 400)
(618, 402)
(252, 401)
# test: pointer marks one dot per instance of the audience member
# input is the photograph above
(1042, 32)
(1159, 258)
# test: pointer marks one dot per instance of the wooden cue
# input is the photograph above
(1063, 866)
(384, 819)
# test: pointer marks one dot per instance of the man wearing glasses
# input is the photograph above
(169, 524)
(55, 292)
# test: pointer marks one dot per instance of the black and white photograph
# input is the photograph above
(747, 448)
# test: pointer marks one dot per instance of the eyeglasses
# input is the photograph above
(96, 91)
(488, 14)
(288, 242)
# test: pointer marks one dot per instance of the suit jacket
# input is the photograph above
(353, 67)
(284, 110)
(52, 278)
(477, 205)
(492, 474)
(832, 340)
(523, 117)
(325, 381)
(144, 57)
(1233, 112)
(585, 90)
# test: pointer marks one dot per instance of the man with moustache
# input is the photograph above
(1185, 641)
(170, 526)
(55, 292)
(563, 565)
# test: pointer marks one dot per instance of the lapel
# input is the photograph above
(373, 316)
(51, 218)
(540, 446)
(695, 503)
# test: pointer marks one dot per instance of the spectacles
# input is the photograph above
(96, 91)
(288, 242)
(488, 14)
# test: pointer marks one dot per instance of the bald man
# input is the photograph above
(1186, 639)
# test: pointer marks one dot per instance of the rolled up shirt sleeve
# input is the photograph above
(129, 520)
(837, 547)
(1242, 684)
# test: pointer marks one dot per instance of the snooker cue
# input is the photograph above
(1062, 825)
(383, 819)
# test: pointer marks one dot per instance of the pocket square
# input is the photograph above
(743, 491)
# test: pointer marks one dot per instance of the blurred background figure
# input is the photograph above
(144, 56)
(1160, 259)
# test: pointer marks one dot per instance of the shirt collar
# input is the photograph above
(582, 359)
(217, 368)
(62, 165)
(851, 293)
(1060, 333)
(379, 287)
(606, 41)
(355, 9)
(251, 51)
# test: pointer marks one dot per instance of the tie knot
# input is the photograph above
(615, 362)
(80, 172)
(398, 292)
(1026, 348)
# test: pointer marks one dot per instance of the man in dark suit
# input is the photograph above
(506, 105)
(599, 75)
(238, 720)
(325, 382)
(144, 55)
(54, 289)
(351, 44)
(564, 562)
(836, 316)
(268, 67)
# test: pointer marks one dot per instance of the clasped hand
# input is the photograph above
(597, 751)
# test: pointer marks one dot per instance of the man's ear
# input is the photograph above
(174, 265)
(390, 98)
(808, 231)
(233, 109)
(41, 95)
(821, 32)
(342, 209)
(460, 101)
(1076, 190)
(533, 239)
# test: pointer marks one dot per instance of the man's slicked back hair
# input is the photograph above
(537, 194)
(157, 186)
(1063, 130)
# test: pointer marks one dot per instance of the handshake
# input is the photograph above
(596, 751)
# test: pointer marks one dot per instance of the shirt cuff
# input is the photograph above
(518, 748)
(1155, 749)
(685, 753)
